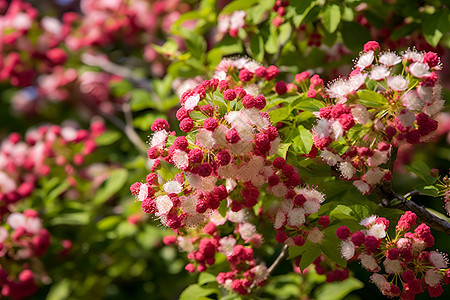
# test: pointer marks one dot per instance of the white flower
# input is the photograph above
(159, 139)
(163, 204)
(315, 236)
(419, 70)
(322, 129)
(311, 206)
(143, 192)
(330, 158)
(347, 250)
(3, 234)
(433, 277)
(279, 190)
(389, 59)
(379, 73)
(204, 139)
(280, 219)
(378, 158)
(347, 170)
(260, 273)
(365, 60)
(16, 220)
(369, 262)
(361, 115)
(6, 183)
(438, 260)
(356, 81)
(226, 245)
(379, 280)
(206, 184)
(173, 187)
(407, 117)
(377, 230)
(296, 217)
(337, 129)
(181, 159)
(223, 24)
(392, 266)
(362, 186)
(247, 230)
(236, 217)
(191, 102)
(339, 89)
(33, 225)
(185, 244)
(237, 19)
(413, 55)
(374, 176)
(368, 221)
(412, 101)
(398, 83)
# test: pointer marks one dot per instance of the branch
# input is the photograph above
(278, 260)
(390, 199)
(112, 68)
(128, 129)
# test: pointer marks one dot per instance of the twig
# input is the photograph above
(128, 129)
(112, 68)
(410, 194)
(390, 199)
(278, 260)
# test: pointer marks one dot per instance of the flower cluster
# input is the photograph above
(44, 148)
(18, 25)
(387, 101)
(237, 247)
(231, 23)
(407, 266)
(22, 239)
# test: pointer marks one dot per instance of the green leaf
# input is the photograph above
(337, 290)
(271, 45)
(76, 218)
(304, 141)
(109, 223)
(111, 186)
(355, 35)
(206, 277)
(195, 292)
(331, 246)
(280, 114)
(422, 171)
(435, 26)
(285, 33)
(141, 99)
(108, 138)
(309, 256)
(257, 47)
(60, 290)
(307, 104)
(371, 99)
(238, 5)
(404, 30)
(121, 88)
(223, 208)
(283, 149)
(331, 17)
(302, 8)
(429, 190)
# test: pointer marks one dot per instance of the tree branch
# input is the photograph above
(278, 260)
(112, 68)
(390, 199)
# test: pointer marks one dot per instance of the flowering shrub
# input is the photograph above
(269, 158)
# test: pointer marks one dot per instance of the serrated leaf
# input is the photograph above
(302, 8)
(331, 246)
(285, 32)
(371, 99)
(280, 114)
(282, 149)
(331, 17)
(141, 99)
(108, 138)
(223, 208)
